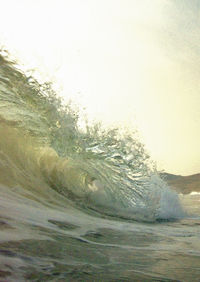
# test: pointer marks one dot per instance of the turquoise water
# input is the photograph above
(84, 203)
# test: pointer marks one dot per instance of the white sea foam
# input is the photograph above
(169, 206)
(195, 193)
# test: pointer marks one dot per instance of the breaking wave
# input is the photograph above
(46, 155)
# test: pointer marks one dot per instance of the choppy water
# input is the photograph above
(84, 204)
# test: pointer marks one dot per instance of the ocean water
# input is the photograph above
(84, 203)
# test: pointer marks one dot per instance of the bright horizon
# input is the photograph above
(129, 62)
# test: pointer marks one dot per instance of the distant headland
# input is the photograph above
(182, 184)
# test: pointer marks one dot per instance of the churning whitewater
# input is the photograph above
(96, 170)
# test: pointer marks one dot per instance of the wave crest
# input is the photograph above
(43, 149)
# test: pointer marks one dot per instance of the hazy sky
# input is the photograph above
(134, 62)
